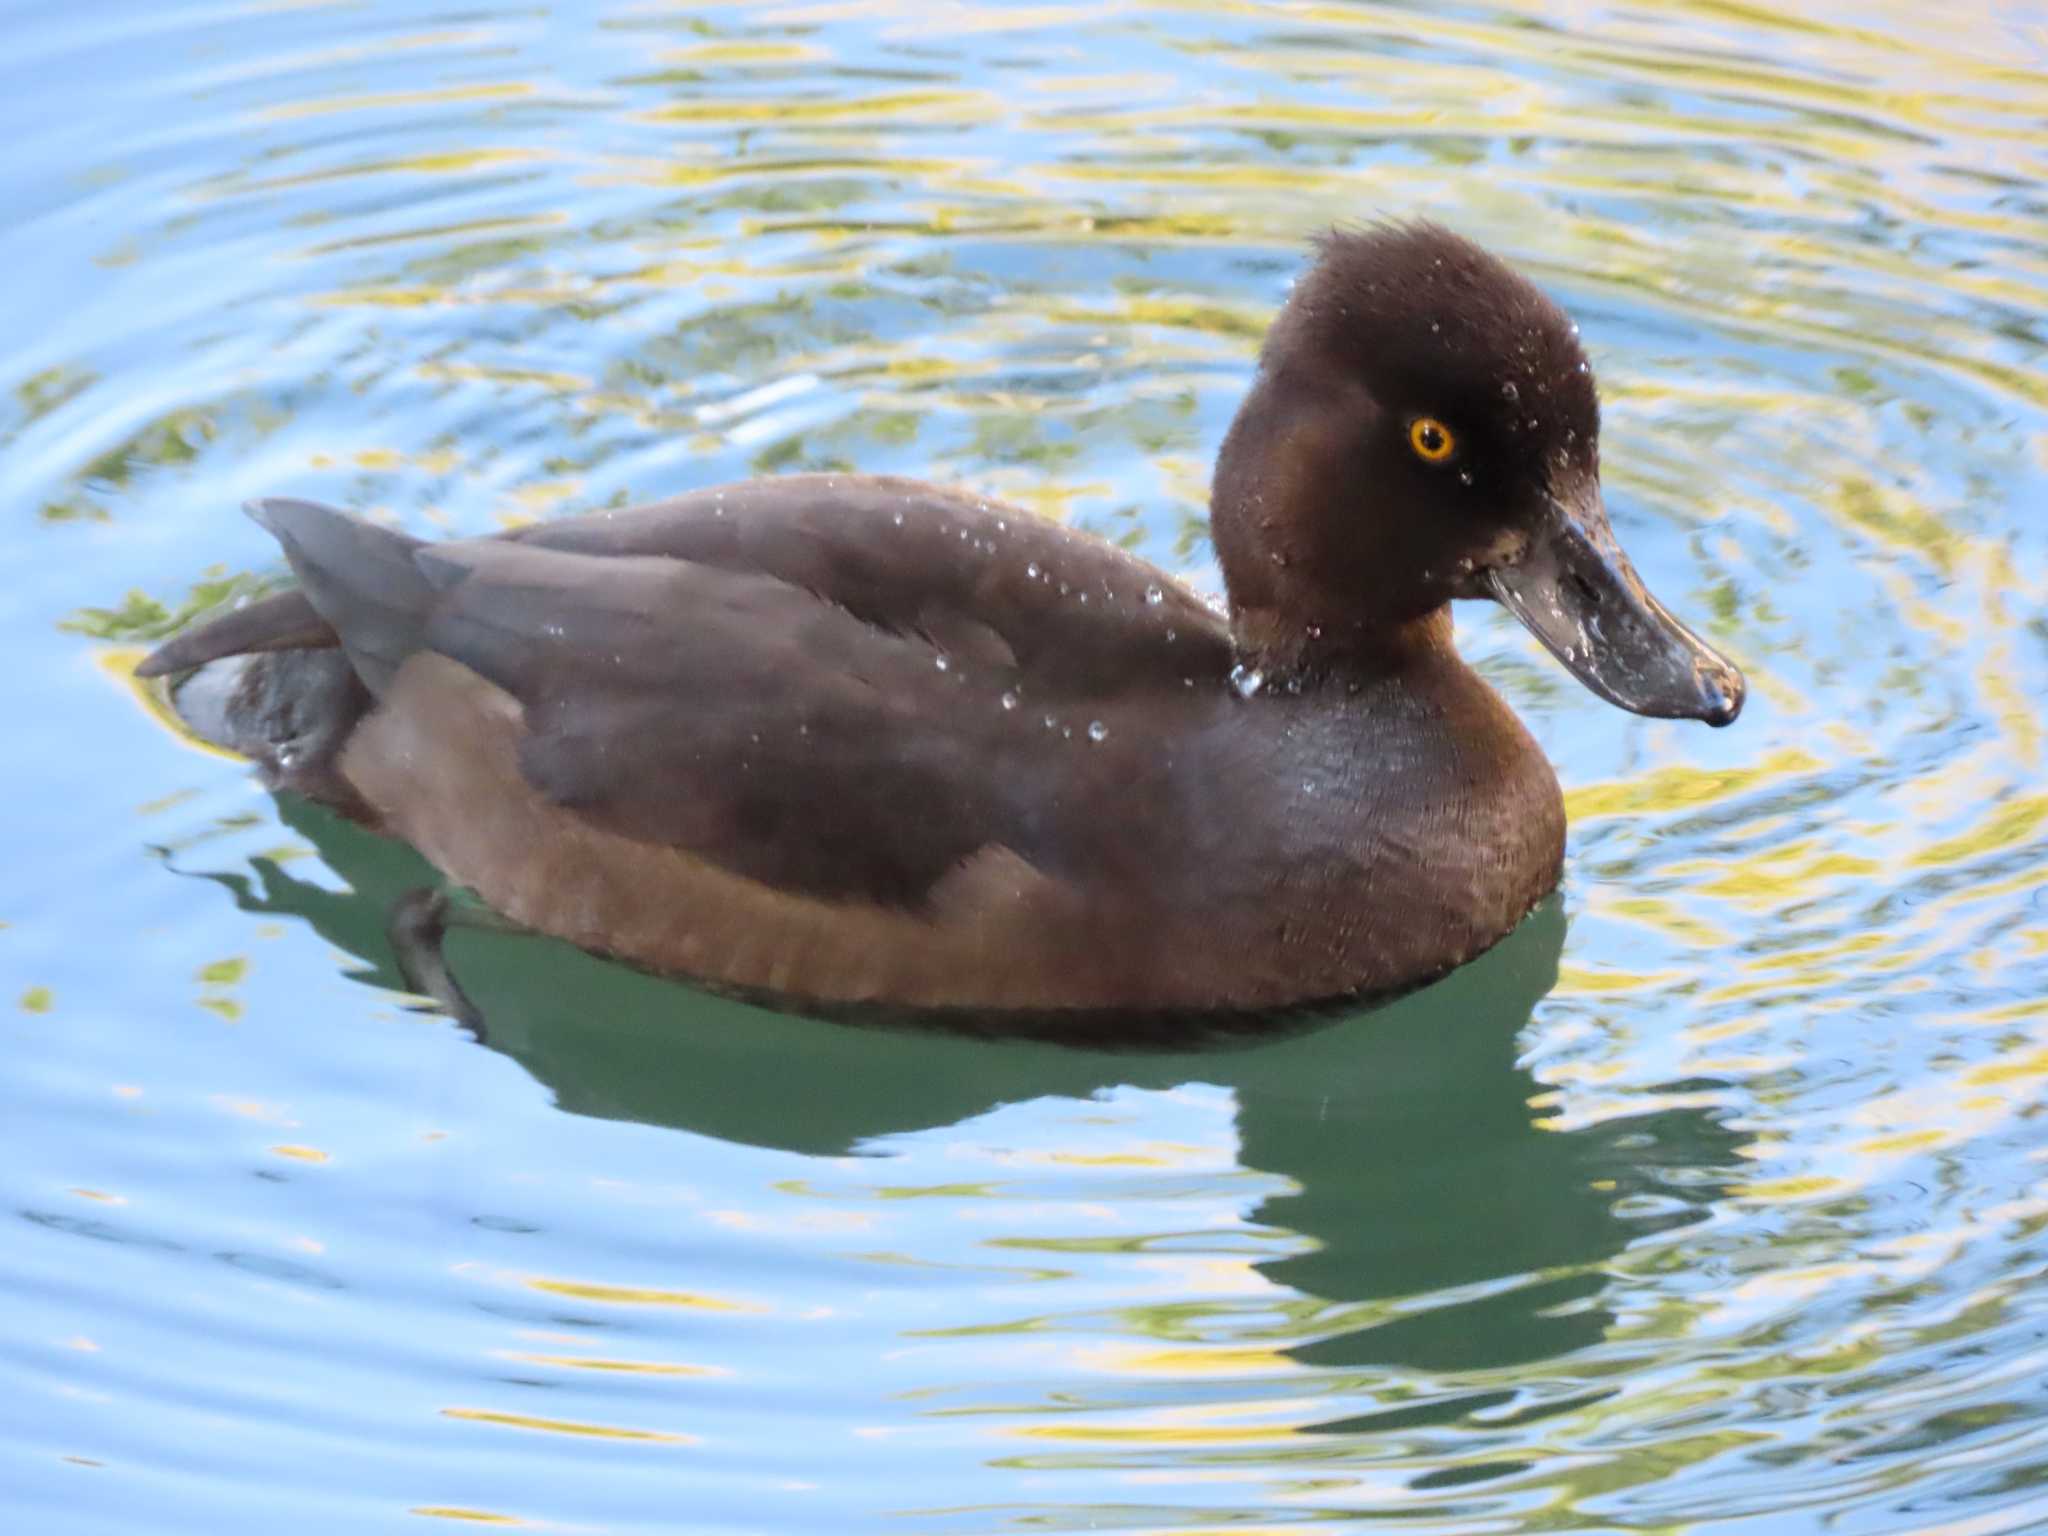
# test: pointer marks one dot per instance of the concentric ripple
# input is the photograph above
(1713, 1197)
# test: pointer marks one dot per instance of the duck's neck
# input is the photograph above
(1280, 643)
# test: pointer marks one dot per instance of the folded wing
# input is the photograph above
(836, 687)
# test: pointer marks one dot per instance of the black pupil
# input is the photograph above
(1432, 439)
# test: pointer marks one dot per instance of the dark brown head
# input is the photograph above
(1425, 427)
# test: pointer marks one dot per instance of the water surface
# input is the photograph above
(1712, 1198)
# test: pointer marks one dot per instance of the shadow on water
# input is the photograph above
(1422, 1160)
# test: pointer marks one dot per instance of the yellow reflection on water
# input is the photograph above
(2030, 1068)
(1136, 1359)
(567, 1426)
(509, 90)
(1680, 786)
(118, 663)
(1772, 877)
(1578, 981)
(629, 1367)
(639, 1296)
(954, 106)
(1156, 1434)
(2005, 826)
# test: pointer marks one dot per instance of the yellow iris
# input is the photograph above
(1431, 440)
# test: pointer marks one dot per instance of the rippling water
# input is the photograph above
(1716, 1194)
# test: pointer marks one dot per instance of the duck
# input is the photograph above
(864, 746)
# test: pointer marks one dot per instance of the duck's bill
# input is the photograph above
(1578, 594)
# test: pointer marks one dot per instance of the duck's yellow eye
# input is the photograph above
(1431, 439)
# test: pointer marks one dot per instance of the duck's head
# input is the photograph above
(1425, 427)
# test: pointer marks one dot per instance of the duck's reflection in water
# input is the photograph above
(1419, 1150)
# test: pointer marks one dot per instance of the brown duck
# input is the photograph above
(853, 744)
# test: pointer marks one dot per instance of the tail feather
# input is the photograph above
(284, 621)
(359, 577)
(358, 589)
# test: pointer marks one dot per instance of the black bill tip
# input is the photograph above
(1723, 694)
